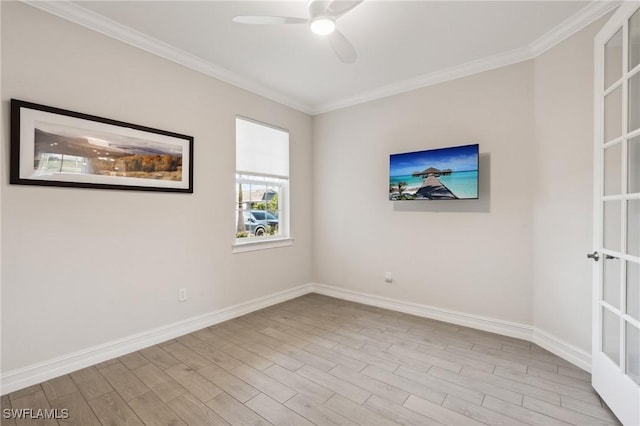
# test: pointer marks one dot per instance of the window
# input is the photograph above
(262, 183)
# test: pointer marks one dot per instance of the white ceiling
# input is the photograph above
(401, 45)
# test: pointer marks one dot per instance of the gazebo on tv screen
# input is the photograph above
(435, 174)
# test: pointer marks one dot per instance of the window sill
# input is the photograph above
(261, 245)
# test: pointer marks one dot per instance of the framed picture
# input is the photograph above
(56, 147)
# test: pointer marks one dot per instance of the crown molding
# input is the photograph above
(585, 16)
(72, 12)
(77, 14)
(430, 79)
(593, 11)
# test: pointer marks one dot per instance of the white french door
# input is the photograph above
(616, 294)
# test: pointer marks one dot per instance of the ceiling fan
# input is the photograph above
(322, 20)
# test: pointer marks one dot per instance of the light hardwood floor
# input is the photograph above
(324, 361)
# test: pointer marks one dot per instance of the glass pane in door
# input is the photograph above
(613, 169)
(616, 332)
(613, 59)
(633, 166)
(633, 290)
(611, 284)
(611, 222)
(634, 40)
(633, 227)
(634, 103)
(613, 115)
(611, 335)
(633, 352)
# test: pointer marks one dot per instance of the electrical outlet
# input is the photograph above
(182, 295)
(388, 277)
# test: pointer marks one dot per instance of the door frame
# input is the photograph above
(616, 382)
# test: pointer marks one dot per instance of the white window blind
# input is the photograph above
(261, 150)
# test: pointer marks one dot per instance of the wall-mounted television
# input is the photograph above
(435, 174)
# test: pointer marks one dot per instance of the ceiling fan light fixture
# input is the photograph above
(322, 26)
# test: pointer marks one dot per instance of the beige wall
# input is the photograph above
(85, 267)
(467, 256)
(518, 253)
(563, 190)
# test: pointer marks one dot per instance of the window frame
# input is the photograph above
(281, 183)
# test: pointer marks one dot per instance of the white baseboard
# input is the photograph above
(564, 350)
(40, 372)
(505, 328)
(551, 343)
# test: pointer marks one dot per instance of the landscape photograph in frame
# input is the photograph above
(56, 147)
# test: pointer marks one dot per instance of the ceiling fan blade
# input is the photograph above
(337, 8)
(318, 8)
(342, 47)
(269, 20)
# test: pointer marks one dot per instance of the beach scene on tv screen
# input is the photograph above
(438, 174)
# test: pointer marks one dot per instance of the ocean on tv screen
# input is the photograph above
(439, 174)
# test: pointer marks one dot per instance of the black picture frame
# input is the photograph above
(101, 153)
